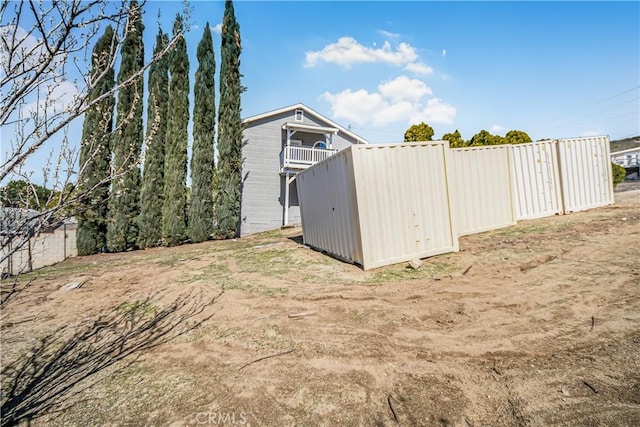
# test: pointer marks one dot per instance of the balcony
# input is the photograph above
(295, 158)
(628, 161)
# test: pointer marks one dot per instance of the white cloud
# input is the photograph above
(347, 51)
(28, 50)
(217, 28)
(591, 133)
(398, 100)
(403, 88)
(389, 34)
(51, 99)
(357, 107)
(435, 111)
(393, 112)
(362, 107)
(419, 68)
(498, 129)
(444, 52)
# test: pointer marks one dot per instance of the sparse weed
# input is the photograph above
(398, 272)
(249, 287)
(135, 309)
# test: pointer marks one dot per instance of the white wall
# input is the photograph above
(40, 251)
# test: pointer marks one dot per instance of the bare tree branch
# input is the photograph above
(45, 84)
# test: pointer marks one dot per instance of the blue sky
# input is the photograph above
(552, 69)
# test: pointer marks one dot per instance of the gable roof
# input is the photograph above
(307, 110)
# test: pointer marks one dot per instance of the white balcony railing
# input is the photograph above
(630, 161)
(295, 157)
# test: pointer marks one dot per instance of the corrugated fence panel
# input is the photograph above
(481, 188)
(536, 181)
(328, 207)
(382, 204)
(403, 202)
(585, 173)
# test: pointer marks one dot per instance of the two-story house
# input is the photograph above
(276, 146)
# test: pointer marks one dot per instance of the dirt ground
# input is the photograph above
(532, 325)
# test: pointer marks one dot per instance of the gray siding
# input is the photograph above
(261, 208)
(263, 192)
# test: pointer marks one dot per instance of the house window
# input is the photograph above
(299, 115)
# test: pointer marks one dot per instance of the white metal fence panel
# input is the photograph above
(328, 207)
(382, 204)
(536, 180)
(585, 173)
(403, 200)
(481, 195)
(379, 204)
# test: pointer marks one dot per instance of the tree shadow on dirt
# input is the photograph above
(10, 288)
(66, 363)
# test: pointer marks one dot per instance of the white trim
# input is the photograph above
(310, 128)
(295, 115)
(629, 150)
(359, 140)
(285, 216)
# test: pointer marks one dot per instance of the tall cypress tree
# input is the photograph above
(150, 223)
(229, 174)
(202, 161)
(175, 166)
(95, 153)
(124, 206)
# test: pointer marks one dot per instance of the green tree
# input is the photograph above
(455, 139)
(62, 202)
(95, 153)
(202, 161)
(619, 173)
(229, 173)
(151, 194)
(124, 206)
(485, 138)
(419, 132)
(516, 137)
(175, 163)
(25, 195)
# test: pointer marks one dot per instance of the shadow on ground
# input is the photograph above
(8, 292)
(66, 363)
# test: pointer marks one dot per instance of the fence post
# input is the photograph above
(29, 254)
(559, 169)
(10, 259)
